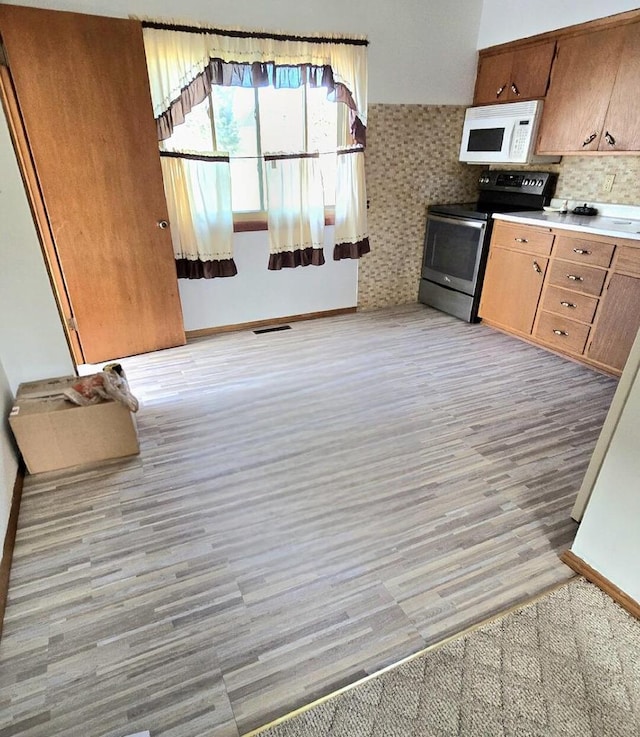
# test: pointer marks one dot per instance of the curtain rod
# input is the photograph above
(253, 34)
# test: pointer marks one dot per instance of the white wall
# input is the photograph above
(32, 342)
(507, 20)
(421, 51)
(608, 538)
(258, 294)
(8, 461)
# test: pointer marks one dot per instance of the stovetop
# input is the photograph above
(501, 192)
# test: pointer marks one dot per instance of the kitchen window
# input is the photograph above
(247, 122)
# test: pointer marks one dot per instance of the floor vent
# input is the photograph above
(272, 330)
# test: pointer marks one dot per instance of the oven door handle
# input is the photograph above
(478, 224)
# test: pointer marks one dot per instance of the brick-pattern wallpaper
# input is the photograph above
(411, 162)
(581, 178)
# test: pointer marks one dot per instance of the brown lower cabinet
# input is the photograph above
(583, 300)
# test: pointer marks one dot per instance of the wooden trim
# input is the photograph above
(255, 221)
(38, 211)
(598, 24)
(204, 332)
(9, 542)
(618, 595)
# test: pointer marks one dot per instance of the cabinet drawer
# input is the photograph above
(564, 334)
(523, 238)
(569, 304)
(584, 251)
(628, 260)
(572, 276)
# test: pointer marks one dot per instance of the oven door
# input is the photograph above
(453, 250)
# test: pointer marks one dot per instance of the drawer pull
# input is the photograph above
(582, 251)
(573, 277)
(520, 240)
(561, 332)
(568, 304)
(536, 267)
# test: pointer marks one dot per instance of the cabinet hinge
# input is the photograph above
(72, 324)
(4, 61)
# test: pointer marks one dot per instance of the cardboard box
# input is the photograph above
(54, 433)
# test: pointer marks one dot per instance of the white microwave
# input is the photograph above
(502, 134)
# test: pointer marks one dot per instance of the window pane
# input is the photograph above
(194, 134)
(234, 111)
(281, 119)
(322, 117)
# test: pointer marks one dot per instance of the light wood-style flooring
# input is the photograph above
(309, 506)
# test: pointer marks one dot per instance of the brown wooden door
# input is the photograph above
(617, 323)
(494, 77)
(622, 125)
(530, 71)
(83, 92)
(511, 289)
(581, 83)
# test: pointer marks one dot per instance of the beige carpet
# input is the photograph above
(567, 664)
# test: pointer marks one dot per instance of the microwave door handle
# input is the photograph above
(512, 133)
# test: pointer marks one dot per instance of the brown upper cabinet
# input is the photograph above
(592, 101)
(515, 74)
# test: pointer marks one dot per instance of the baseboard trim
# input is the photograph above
(204, 332)
(618, 595)
(9, 542)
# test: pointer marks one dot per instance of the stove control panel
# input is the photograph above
(526, 182)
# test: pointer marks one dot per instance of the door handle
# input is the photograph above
(609, 139)
(590, 138)
(162, 224)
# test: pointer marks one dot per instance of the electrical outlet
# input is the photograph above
(607, 184)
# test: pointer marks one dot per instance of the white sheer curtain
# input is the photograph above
(198, 191)
(295, 210)
(351, 232)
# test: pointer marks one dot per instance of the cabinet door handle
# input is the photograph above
(500, 90)
(590, 138)
(536, 267)
(561, 332)
(609, 139)
(520, 240)
(514, 89)
(568, 304)
(573, 277)
(582, 251)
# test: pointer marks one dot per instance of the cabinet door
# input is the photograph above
(494, 78)
(83, 93)
(530, 71)
(581, 84)
(621, 130)
(618, 322)
(511, 290)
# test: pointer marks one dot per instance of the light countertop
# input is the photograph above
(617, 226)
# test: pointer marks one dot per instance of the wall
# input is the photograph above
(507, 20)
(32, 342)
(8, 460)
(423, 54)
(608, 538)
(411, 162)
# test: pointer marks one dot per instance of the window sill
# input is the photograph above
(246, 222)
